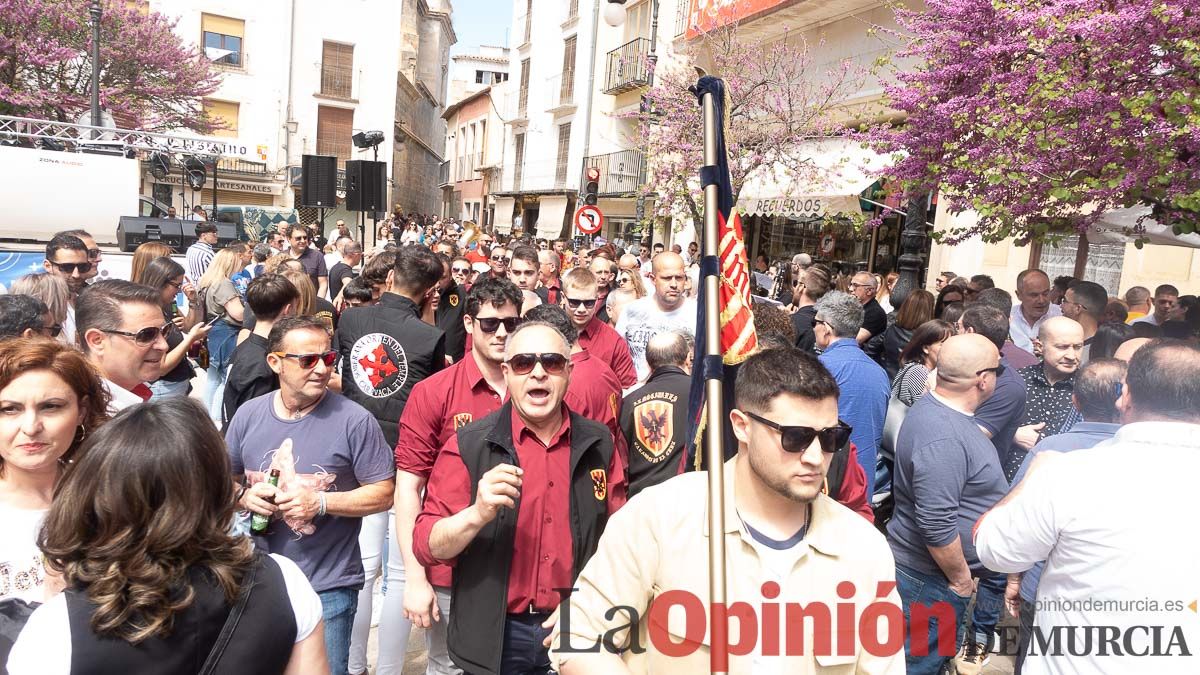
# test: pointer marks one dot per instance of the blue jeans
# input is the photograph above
(989, 600)
(338, 606)
(933, 594)
(523, 650)
(163, 389)
(221, 342)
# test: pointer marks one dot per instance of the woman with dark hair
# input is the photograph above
(918, 360)
(949, 294)
(916, 310)
(139, 533)
(1109, 336)
(167, 277)
(50, 400)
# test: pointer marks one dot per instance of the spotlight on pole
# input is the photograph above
(614, 13)
(367, 139)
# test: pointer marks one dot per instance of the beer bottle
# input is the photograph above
(258, 523)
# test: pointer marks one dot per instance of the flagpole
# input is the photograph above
(714, 399)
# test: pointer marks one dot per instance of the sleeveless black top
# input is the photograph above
(261, 645)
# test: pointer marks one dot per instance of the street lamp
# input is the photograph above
(95, 11)
(614, 13)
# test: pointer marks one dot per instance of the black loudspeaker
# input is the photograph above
(133, 231)
(226, 234)
(318, 181)
(366, 185)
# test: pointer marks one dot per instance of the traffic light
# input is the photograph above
(592, 188)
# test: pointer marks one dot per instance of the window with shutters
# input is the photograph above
(518, 161)
(523, 102)
(573, 9)
(337, 69)
(564, 148)
(225, 115)
(566, 92)
(335, 126)
(222, 38)
(637, 21)
(528, 20)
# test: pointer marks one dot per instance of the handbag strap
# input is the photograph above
(231, 623)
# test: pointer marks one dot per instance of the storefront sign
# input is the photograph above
(789, 206)
(223, 147)
(234, 185)
(705, 15)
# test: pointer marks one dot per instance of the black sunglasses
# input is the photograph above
(523, 364)
(93, 253)
(492, 324)
(498, 258)
(998, 370)
(798, 439)
(308, 361)
(460, 270)
(53, 331)
(69, 268)
(587, 304)
(145, 336)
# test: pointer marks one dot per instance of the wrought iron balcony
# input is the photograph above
(620, 172)
(628, 67)
(444, 173)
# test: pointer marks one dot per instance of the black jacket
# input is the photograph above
(479, 603)
(654, 419)
(452, 306)
(384, 350)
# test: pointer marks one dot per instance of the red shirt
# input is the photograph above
(606, 345)
(553, 291)
(542, 558)
(853, 494)
(595, 393)
(436, 408)
(475, 256)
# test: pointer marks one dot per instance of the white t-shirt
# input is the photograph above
(1111, 522)
(22, 574)
(642, 319)
(44, 646)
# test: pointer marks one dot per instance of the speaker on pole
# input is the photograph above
(318, 181)
(366, 186)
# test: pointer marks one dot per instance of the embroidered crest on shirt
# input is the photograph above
(653, 427)
(454, 300)
(599, 484)
(378, 365)
(461, 420)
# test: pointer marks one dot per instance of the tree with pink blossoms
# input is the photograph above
(1040, 115)
(777, 98)
(149, 79)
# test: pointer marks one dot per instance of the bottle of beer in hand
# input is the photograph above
(258, 523)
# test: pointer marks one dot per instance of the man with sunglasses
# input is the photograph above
(121, 329)
(517, 502)
(440, 405)
(947, 475)
(785, 539)
(311, 258)
(335, 443)
(498, 263)
(580, 299)
(67, 259)
(449, 309)
(95, 256)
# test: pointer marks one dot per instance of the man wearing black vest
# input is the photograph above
(449, 313)
(385, 349)
(517, 502)
(654, 417)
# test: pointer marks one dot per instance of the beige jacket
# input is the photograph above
(659, 542)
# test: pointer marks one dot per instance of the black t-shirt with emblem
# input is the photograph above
(655, 423)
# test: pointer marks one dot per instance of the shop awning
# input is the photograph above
(1117, 227)
(842, 171)
(551, 212)
(504, 214)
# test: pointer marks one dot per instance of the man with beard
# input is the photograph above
(67, 259)
(787, 540)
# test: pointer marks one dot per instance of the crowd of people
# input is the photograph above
(487, 437)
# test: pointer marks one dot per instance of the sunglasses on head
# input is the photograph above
(798, 439)
(492, 324)
(69, 268)
(144, 337)
(308, 361)
(523, 364)
(576, 303)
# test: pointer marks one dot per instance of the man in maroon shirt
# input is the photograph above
(438, 406)
(516, 503)
(581, 300)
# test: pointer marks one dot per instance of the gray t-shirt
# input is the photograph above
(947, 475)
(642, 319)
(339, 437)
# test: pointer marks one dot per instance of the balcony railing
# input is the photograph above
(336, 82)
(628, 67)
(514, 111)
(620, 172)
(444, 173)
(560, 95)
(681, 18)
(241, 167)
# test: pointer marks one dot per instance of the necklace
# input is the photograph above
(300, 412)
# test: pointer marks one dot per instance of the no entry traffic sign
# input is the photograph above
(588, 219)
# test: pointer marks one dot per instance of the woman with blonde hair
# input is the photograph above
(155, 582)
(884, 295)
(631, 281)
(142, 256)
(51, 290)
(224, 310)
(50, 400)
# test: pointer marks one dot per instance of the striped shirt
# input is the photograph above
(199, 256)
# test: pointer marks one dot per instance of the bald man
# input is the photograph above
(1025, 320)
(947, 474)
(1048, 388)
(654, 417)
(668, 309)
(1127, 348)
